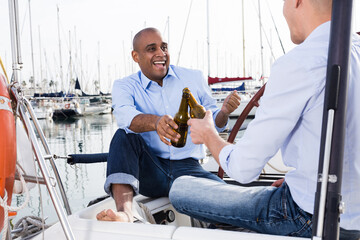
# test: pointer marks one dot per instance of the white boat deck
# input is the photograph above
(85, 227)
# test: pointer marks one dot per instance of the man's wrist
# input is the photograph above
(221, 119)
(156, 123)
(210, 136)
(226, 115)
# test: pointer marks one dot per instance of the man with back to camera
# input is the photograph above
(141, 158)
(289, 118)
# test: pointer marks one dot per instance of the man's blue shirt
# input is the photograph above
(136, 94)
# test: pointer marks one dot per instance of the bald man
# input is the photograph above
(289, 118)
(141, 158)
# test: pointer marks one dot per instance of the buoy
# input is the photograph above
(7, 147)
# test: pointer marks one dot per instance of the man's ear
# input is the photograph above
(135, 56)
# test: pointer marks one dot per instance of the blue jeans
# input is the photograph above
(131, 161)
(262, 209)
(349, 234)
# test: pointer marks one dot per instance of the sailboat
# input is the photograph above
(220, 93)
(170, 224)
(92, 104)
(246, 86)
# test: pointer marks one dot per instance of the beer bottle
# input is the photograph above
(196, 110)
(181, 118)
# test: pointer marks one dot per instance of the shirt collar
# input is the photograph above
(319, 31)
(145, 82)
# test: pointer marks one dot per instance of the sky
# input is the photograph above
(96, 36)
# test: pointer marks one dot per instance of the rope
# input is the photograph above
(29, 225)
(3, 203)
(149, 217)
(3, 68)
(276, 169)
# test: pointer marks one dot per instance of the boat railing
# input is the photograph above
(68, 98)
(25, 112)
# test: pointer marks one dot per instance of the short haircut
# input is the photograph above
(140, 33)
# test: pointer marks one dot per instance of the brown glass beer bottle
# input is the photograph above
(181, 118)
(196, 110)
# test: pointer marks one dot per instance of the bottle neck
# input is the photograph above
(184, 103)
(192, 101)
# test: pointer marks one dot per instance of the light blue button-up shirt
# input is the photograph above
(290, 118)
(137, 94)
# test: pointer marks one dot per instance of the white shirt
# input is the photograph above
(290, 118)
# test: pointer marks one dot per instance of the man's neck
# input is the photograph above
(160, 82)
(315, 23)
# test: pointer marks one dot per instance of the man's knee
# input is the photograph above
(121, 137)
(119, 134)
(177, 188)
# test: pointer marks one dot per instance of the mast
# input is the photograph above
(261, 46)
(70, 64)
(60, 59)
(75, 41)
(168, 23)
(99, 65)
(76, 60)
(81, 66)
(328, 204)
(208, 35)
(125, 71)
(41, 73)
(32, 51)
(183, 38)
(243, 35)
(15, 39)
(131, 67)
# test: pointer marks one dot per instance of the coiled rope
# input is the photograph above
(3, 203)
(28, 225)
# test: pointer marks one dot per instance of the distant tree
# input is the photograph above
(31, 80)
(97, 85)
(51, 85)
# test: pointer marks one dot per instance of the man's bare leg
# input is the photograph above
(123, 196)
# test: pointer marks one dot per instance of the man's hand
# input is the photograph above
(165, 126)
(231, 103)
(278, 182)
(201, 129)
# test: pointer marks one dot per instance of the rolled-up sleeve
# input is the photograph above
(123, 104)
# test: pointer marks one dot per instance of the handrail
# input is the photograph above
(24, 105)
